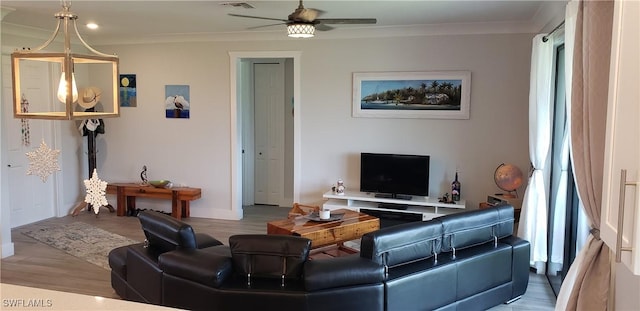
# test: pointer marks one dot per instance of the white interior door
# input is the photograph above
(269, 132)
(246, 106)
(30, 199)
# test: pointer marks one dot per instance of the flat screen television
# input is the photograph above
(394, 175)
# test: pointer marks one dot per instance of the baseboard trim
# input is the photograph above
(512, 300)
(217, 214)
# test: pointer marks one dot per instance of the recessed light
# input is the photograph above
(92, 26)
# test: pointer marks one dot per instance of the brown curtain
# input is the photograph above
(590, 84)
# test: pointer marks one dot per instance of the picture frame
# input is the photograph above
(128, 91)
(428, 94)
(177, 101)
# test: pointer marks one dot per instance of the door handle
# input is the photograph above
(621, 199)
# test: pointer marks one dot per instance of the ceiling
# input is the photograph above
(123, 22)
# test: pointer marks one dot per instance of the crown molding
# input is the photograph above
(337, 33)
(280, 34)
(38, 36)
(26, 31)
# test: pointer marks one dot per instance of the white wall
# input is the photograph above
(195, 151)
(496, 131)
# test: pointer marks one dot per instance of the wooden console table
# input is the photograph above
(127, 192)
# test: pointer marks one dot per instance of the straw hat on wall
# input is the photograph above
(90, 97)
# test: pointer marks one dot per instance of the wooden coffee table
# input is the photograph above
(353, 225)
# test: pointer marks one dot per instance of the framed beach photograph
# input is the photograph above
(430, 94)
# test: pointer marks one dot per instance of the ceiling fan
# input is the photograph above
(303, 22)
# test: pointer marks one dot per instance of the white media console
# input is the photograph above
(426, 206)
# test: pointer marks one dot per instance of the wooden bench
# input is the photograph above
(127, 193)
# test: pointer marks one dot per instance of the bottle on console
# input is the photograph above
(455, 189)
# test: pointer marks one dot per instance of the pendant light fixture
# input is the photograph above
(96, 70)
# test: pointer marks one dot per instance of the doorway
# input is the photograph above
(267, 177)
(245, 68)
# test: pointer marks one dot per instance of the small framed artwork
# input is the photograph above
(430, 94)
(128, 91)
(177, 103)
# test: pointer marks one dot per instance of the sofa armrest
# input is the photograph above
(520, 264)
(341, 271)
(196, 265)
(143, 273)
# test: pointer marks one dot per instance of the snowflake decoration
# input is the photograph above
(96, 190)
(43, 161)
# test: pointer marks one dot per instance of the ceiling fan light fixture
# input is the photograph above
(301, 30)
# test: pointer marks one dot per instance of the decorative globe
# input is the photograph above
(508, 177)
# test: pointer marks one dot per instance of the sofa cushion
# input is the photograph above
(197, 265)
(341, 272)
(166, 233)
(269, 256)
(434, 283)
(482, 268)
(354, 298)
(476, 227)
(402, 243)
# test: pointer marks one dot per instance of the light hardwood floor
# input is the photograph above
(38, 265)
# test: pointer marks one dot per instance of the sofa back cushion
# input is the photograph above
(476, 227)
(403, 243)
(165, 233)
(269, 256)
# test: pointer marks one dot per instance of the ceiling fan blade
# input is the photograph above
(258, 17)
(256, 27)
(305, 15)
(344, 21)
(323, 27)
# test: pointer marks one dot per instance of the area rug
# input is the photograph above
(81, 240)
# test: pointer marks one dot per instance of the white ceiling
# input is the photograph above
(124, 22)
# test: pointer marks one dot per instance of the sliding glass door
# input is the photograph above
(564, 220)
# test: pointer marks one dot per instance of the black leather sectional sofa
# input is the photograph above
(464, 261)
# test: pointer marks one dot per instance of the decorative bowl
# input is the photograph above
(159, 183)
